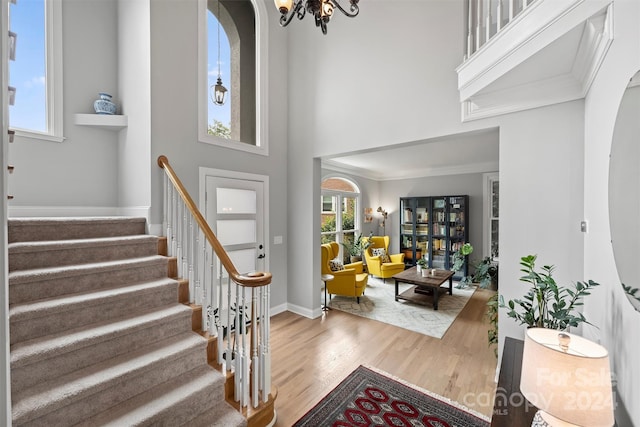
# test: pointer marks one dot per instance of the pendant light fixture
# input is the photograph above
(218, 91)
(322, 10)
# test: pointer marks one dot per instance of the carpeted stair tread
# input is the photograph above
(27, 285)
(40, 360)
(57, 314)
(45, 398)
(216, 417)
(173, 403)
(38, 254)
(27, 352)
(62, 228)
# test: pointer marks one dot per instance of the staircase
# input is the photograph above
(98, 336)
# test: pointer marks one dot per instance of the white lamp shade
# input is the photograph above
(572, 386)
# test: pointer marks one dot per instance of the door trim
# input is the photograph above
(204, 172)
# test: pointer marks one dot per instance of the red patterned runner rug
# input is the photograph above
(370, 398)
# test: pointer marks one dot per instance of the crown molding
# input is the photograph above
(517, 59)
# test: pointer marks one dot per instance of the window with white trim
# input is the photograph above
(36, 72)
(233, 47)
(491, 215)
(343, 226)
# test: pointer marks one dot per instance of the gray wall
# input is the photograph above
(47, 173)
(469, 184)
(174, 59)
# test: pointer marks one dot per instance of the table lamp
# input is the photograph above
(567, 377)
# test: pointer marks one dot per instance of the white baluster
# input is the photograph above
(255, 366)
(511, 11)
(246, 357)
(266, 366)
(236, 349)
(165, 201)
(219, 306)
(470, 29)
(179, 237)
(487, 21)
(229, 350)
(185, 253)
(525, 3)
(478, 23)
(174, 221)
(499, 16)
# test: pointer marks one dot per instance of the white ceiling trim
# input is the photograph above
(475, 78)
(413, 173)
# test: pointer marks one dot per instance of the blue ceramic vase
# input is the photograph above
(104, 104)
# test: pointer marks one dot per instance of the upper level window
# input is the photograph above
(36, 72)
(232, 38)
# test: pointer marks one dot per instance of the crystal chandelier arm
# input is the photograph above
(298, 9)
(354, 8)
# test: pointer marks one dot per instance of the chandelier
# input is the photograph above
(320, 9)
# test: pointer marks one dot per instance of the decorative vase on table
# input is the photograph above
(104, 104)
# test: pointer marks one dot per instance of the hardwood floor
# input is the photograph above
(311, 357)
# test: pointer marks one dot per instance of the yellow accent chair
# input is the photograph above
(348, 282)
(376, 266)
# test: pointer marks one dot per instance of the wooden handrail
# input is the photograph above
(250, 280)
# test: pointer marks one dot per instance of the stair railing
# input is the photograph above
(486, 18)
(195, 246)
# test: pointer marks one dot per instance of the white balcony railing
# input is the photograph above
(485, 18)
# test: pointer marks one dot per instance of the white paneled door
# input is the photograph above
(235, 212)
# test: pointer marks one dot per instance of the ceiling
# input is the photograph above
(471, 152)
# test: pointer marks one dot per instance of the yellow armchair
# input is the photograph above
(375, 264)
(348, 282)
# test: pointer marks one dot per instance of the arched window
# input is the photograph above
(340, 216)
(233, 47)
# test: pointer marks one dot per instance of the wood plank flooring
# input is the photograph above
(311, 357)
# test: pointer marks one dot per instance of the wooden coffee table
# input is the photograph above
(430, 285)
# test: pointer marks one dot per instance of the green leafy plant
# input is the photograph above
(492, 314)
(547, 304)
(460, 255)
(486, 272)
(422, 263)
(358, 245)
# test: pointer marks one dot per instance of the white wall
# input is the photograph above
(541, 197)
(134, 75)
(609, 308)
(47, 173)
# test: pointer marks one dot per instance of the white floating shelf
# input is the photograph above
(104, 121)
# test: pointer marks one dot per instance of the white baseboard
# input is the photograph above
(278, 309)
(77, 211)
(303, 311)
(59, 211)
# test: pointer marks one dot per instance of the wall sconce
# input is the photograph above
(567, 377)
(384, 219)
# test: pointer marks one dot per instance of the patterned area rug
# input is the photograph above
(378, 303)
(371, 398)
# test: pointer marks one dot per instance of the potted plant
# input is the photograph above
(356, 248)
(486, 273)
(421, 264)
(547, 304)
(460, 256)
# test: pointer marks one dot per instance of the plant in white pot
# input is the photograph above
(547, 304)
(421, 264)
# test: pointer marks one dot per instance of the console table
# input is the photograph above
(511, 408)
